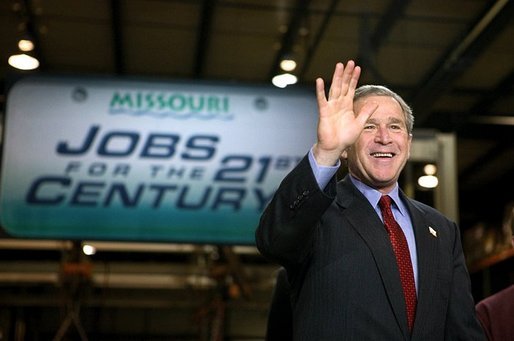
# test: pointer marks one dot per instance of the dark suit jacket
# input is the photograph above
(280, 325)
(345, 284)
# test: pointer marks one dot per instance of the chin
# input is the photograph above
(384, 179)
(382, 183)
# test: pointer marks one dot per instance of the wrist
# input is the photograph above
(324, 157)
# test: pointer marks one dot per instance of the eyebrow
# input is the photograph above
(390, 120)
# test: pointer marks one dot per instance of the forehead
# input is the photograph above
(388, 107)
(388, 101)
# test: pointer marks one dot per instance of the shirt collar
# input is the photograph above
(374, 195)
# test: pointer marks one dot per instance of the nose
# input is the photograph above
(382, 135)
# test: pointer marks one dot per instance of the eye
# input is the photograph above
(369, 127)
(395, 127)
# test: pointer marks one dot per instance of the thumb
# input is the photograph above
(366, 112)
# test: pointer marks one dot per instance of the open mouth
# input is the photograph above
(381, 155)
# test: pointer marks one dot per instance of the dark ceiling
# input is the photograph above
(453, 61)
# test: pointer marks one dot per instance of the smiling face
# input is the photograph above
(382, 149)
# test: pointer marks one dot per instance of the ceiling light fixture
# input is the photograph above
(283, 80)
(88, 250)
(25, 45)
(23, 61)
(430, 169)
(288, 64)
(429, 180)
(24, 58)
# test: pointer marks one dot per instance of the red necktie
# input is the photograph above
(401, 251)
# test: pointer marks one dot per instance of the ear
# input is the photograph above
(409, 147)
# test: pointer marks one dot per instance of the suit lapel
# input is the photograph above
(426, 245)
(372, 231)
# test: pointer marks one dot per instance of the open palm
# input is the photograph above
(338, 125)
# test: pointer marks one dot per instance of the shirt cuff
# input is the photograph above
(323, 174)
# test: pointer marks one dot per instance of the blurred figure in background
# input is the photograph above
(496, 312)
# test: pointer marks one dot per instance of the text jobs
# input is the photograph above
(167, 146)
(233, 170)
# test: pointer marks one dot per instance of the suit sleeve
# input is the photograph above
(287, 225)
(461, 319)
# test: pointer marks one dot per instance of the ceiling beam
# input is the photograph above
(370, 43)
(393, 13)
(459, 57)
(464, 123)
(474, 124)
(288, 40)
(483, 162)
(30, 19)
(502, 89)
(204, 37)
(117, 37)
(319, 35)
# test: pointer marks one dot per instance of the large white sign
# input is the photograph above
(130, 160)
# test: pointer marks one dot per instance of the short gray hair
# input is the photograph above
(380, 90)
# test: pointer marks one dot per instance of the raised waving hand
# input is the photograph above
(338, 125)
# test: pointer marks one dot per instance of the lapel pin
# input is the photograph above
(432, 231)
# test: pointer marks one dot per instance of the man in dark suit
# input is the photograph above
(356, 273)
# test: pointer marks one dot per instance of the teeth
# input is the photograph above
(389, 155)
